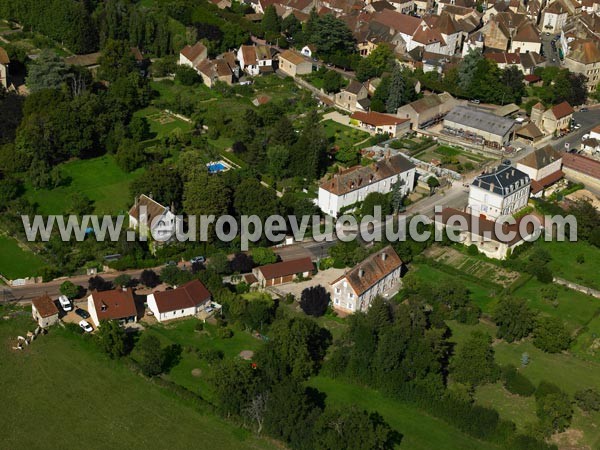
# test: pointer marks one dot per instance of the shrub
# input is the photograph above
(588, 399)
(472, 250)
(550, 335)
(224, 333)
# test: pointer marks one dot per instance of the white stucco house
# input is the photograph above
(116, 304)
(554, 17)
(494, 240)
(193, 55)
(255, 59)
(502, 191)
(376, 275)
(347, 188)
(184, 301)
(148, 215)
(543, 166)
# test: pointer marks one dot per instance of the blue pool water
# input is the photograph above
(216, 167)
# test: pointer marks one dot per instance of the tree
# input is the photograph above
(111, 338)
(116, 60)
(467, 70)
(291, 414)
(514, 319)
(400, 91)
(381, 95)
(314, 300)
(374, 199)
(149, 355)
(187, 76)
(149, 278)
(308, 157)
(98, 283)
(433, 183)
(241, 263)
(48, 71)
(123, 281)
(331, 36)
(554, 411)
(551, 335)
(474, 361)
(219, 263)
(139, 128)
(588, 399)
(332, 81)
(378, 61)
(164, 183)
(206, 195)
(516, 383)
(295, 349)
(235, 384)
(70, 290)
(354, 429)
(271, 23)
(278, 157)
(263, 255)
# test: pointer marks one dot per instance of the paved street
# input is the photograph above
(550, 53)
(587, 120)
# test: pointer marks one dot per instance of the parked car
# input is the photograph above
(476, 101)
(65, 303)
(583, 110)
(85, 326)
(82, 313)
(198, 259)
(170, 263)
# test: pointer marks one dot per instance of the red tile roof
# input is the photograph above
(45, 306)
(4, 59)
(562, 110)
(531, 78)
(373, 269)
(114, 304)
(401, 23)
(537, 186)
(286, 268)
(377, 119)
(487, 228)
(189, 295)
(193, 52)
(582, 164)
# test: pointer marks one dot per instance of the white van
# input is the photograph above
(65, 303)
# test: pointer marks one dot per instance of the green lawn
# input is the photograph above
(16, 262)
(100, 179)
(564, 262)
(483, 296)
(569, 372)
(587, 344)
(183, 333)
(342, 135)
(161, 123)
(420, 430)
(574, 308)
(62, 393)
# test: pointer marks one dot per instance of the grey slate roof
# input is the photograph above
(504, 180)
(480, 120)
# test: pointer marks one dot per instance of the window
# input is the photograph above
(337, 290)
(350, 305)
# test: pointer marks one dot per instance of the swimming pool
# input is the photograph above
(217, 166)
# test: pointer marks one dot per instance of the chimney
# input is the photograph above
(512, 172)
(383, 256)
(492, 187)
(103, 307)
(361, 273)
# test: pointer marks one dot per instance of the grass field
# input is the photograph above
(565, 370)
(161, 123)
(564, 262)
(100, 179)
(342, 135)
(587, 344)
(420, 431)
(16, 262)
(183, 333)
(63, 394)
(573, 307)
(483, 296)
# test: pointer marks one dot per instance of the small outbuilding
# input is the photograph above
(44, 311)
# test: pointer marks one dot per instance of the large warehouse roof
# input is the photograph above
(480, 120)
